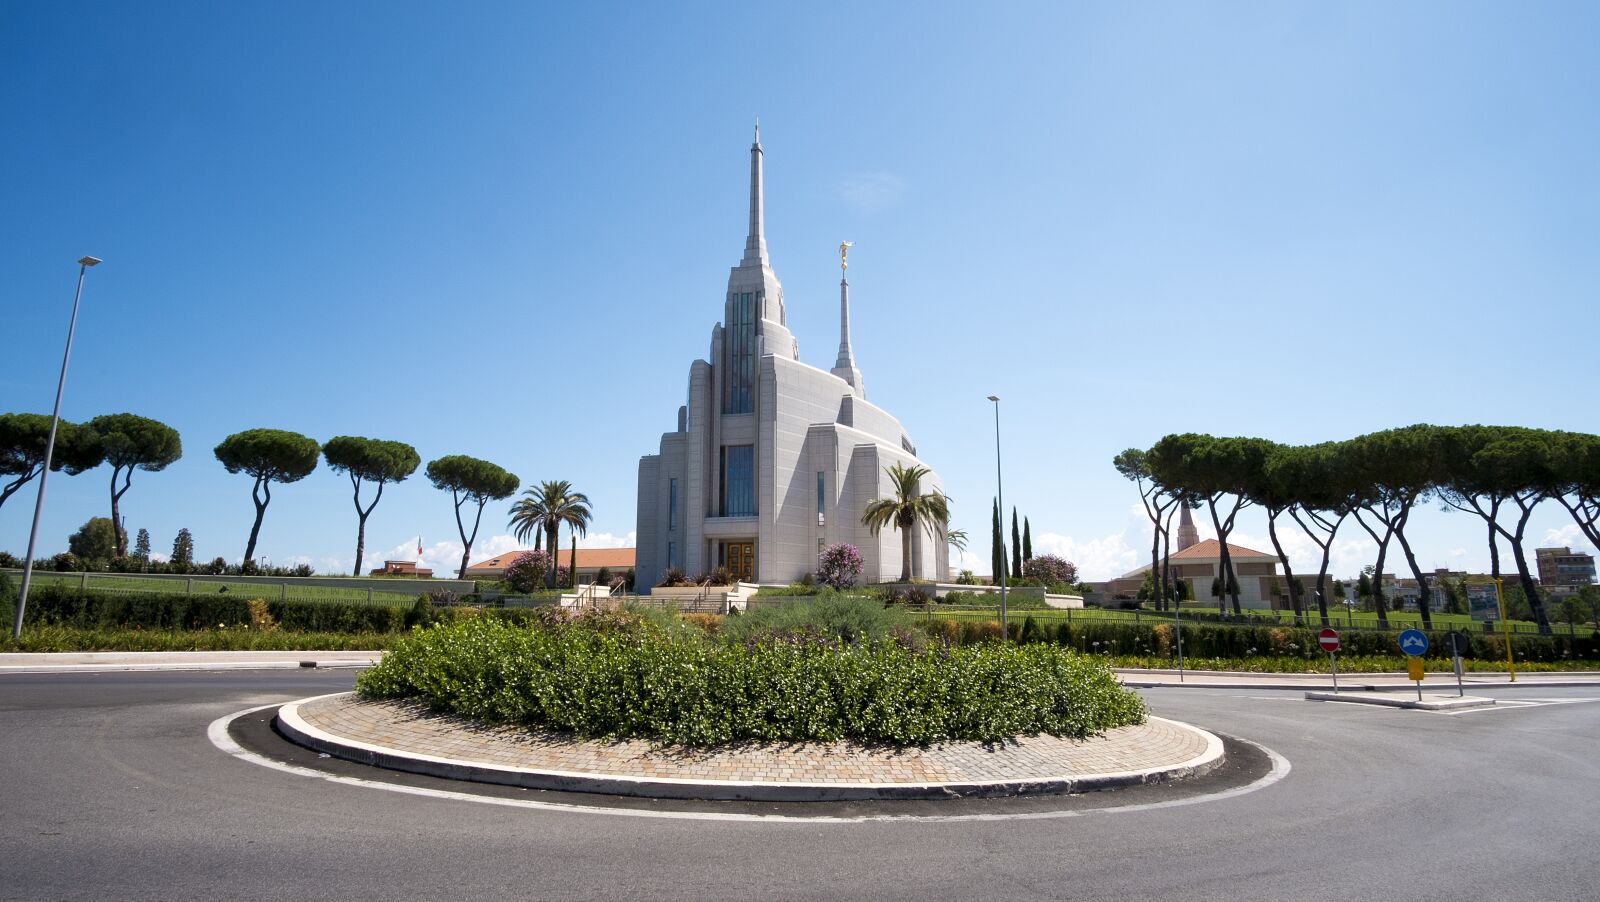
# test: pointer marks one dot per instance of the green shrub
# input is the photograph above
(633, 680)
(847, 617)
(1248, 640)
(69, 606)
(1015, 601)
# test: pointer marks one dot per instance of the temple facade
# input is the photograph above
(773, 459)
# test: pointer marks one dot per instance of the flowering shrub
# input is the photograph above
(1050, 570)
(526, 573)
(839, 566)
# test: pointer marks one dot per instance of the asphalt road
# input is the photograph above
(111, 790)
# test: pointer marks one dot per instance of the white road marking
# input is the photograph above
(217, 732)
(1512, 704)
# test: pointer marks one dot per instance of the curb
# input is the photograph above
(293, 727)
(182, 666)
(1352, 688)
(1436, 704)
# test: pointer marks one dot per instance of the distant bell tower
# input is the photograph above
(1187, 534)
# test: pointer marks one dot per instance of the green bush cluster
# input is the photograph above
(1015, 601)
(73, 607)
(634, 680)
(1237, 641)
(68, 638)
(847, 617)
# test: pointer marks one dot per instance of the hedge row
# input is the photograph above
(642, 682)
(75, 607)
(1221, 641)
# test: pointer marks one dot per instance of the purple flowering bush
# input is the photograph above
(1050, 570)
(839, 566)
(526, 572)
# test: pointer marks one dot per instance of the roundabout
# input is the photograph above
(406, 737)
(156, 785)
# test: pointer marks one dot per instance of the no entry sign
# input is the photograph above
(1329, 640)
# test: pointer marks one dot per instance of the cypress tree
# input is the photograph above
(1027, 540)
(997, 556)
(1016, 547)
(572, 564)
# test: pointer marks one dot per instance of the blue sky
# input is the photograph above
(504, 231)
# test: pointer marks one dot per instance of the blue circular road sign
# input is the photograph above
(1413, 642)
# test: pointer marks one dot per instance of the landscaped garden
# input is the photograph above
(68, 618)
(832, 669)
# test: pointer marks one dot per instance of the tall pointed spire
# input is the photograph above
(755, 244)
(845, 366)
(1187, 534)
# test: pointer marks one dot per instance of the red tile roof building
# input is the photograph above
(1260, 583)
(590, 562)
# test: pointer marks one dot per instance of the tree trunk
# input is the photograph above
(12, 487)
(1155, 549)
(1166, 564)
(466, 553)
(1424, 594)
(120, 539)
(461, 530)
(1224, 565)
(1379, 604)
(1523, 576)
(551, 534)
(1494, 542)
(1288, 571)
(361, 542)
(1584, 513)
(261, 511)
(361, 519)
(905, 554)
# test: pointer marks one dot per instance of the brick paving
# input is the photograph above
(410, 728)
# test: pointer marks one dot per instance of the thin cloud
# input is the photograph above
(870, 192)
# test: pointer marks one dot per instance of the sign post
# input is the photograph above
(1329, 640)
(1458, 646)
(1486, 602)
(1500, 597)
(1414, 642)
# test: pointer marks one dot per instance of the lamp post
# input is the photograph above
(1177, 619)
(1000, 499)
(49, 452)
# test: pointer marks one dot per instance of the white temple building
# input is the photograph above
(773, 459)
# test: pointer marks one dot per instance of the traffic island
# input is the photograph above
(406, 736)
(1428, 702)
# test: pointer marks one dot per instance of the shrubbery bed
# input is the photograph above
(620, 675)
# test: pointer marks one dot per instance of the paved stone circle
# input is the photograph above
(1156, 749)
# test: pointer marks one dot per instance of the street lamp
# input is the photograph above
(49, 451)
(1000, 499)
(1177, 617)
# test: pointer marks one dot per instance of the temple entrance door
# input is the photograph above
(741, 558)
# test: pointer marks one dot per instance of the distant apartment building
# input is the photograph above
(1563, 571)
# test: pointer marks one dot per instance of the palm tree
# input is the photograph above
(957, 539)
(544, 509)
(906, 509)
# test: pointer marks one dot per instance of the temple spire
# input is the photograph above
(1187, 534)
(755, 244)
(845, 366)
